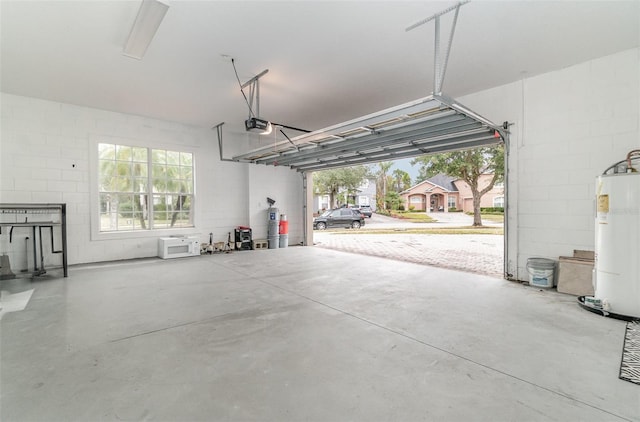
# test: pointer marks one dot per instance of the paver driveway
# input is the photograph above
(481, 254)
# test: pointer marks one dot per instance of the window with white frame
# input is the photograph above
(144, 188)
(363, 200)
(451, 201)
(498, 201)
(416, 199)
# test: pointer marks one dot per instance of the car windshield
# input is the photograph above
(326, 213)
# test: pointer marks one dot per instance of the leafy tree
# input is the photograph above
(401, 180)
(330, 182)
(393, 200)
(467, 165)
(381, 186)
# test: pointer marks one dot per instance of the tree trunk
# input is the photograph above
(178, 209)
(477, 218)
(139, 210)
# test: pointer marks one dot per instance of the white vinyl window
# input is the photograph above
(498, 201)
(144, 188)
(363, 200)
(451, 201)
(416, 200)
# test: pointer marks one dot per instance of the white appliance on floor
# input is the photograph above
(617, 247)
(178, 247)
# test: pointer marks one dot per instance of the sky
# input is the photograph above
(404, 164)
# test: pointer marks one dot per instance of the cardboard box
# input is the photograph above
(575, 273)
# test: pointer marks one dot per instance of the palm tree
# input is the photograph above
(383, 168)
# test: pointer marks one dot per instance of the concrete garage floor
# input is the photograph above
(305, 334)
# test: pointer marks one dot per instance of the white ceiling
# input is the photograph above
(328, 61)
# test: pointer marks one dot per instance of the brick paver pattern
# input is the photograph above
(481, 254)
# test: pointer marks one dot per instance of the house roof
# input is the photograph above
(441, 180)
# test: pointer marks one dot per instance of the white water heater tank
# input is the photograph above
(617, 247)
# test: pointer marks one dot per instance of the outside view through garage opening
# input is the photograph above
(444, 210)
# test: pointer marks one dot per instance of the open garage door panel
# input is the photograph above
(429, 125)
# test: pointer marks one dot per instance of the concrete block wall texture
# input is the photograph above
(48, 154)
(570, 125)
(285, 187)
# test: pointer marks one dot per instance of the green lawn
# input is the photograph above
(436, 230)
(415, 217)
(496, 218)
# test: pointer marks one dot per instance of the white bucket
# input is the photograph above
(541, 272)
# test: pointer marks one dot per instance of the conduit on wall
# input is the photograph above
(429, 125)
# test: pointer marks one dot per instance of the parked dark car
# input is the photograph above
(341, 217)
(366, 210)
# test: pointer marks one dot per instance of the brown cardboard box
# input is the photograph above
(577, 253)
(575, 273)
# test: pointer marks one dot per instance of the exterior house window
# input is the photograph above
(144, 188)
(416, 200)
(498, 201)
(363, 200)
(324, 202)
(451, 201)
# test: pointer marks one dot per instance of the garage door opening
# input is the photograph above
(428, 126)
(426, 221)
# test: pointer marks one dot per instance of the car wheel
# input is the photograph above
(321, 226)
(355, 225)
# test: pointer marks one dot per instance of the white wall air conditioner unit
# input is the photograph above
(178, 247)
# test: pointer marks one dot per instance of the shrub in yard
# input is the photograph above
(492, 210)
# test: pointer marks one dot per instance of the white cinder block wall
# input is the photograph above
(46, 157)
(570, 125)
(276, 183)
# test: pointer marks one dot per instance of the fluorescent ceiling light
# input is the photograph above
(144, 28)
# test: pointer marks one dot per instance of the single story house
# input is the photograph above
(445, 193)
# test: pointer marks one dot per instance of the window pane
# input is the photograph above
(173, 172)
(173, 157)
(125, 203)
(107, 170)
(159, 185)
(123, 169)
(159, 203)
(107, 223)
(125, 222)
(160, 220)
(186, 173)
(107, 151)
(123, 184)
(186, 159)
(123, 153)
(140, 185)
(186, 205)
(158, 171)
(187, 186)
(140, 170)
(140, 155)
(159, 156)
(174, 186)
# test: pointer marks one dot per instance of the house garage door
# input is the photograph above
(430, 125)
